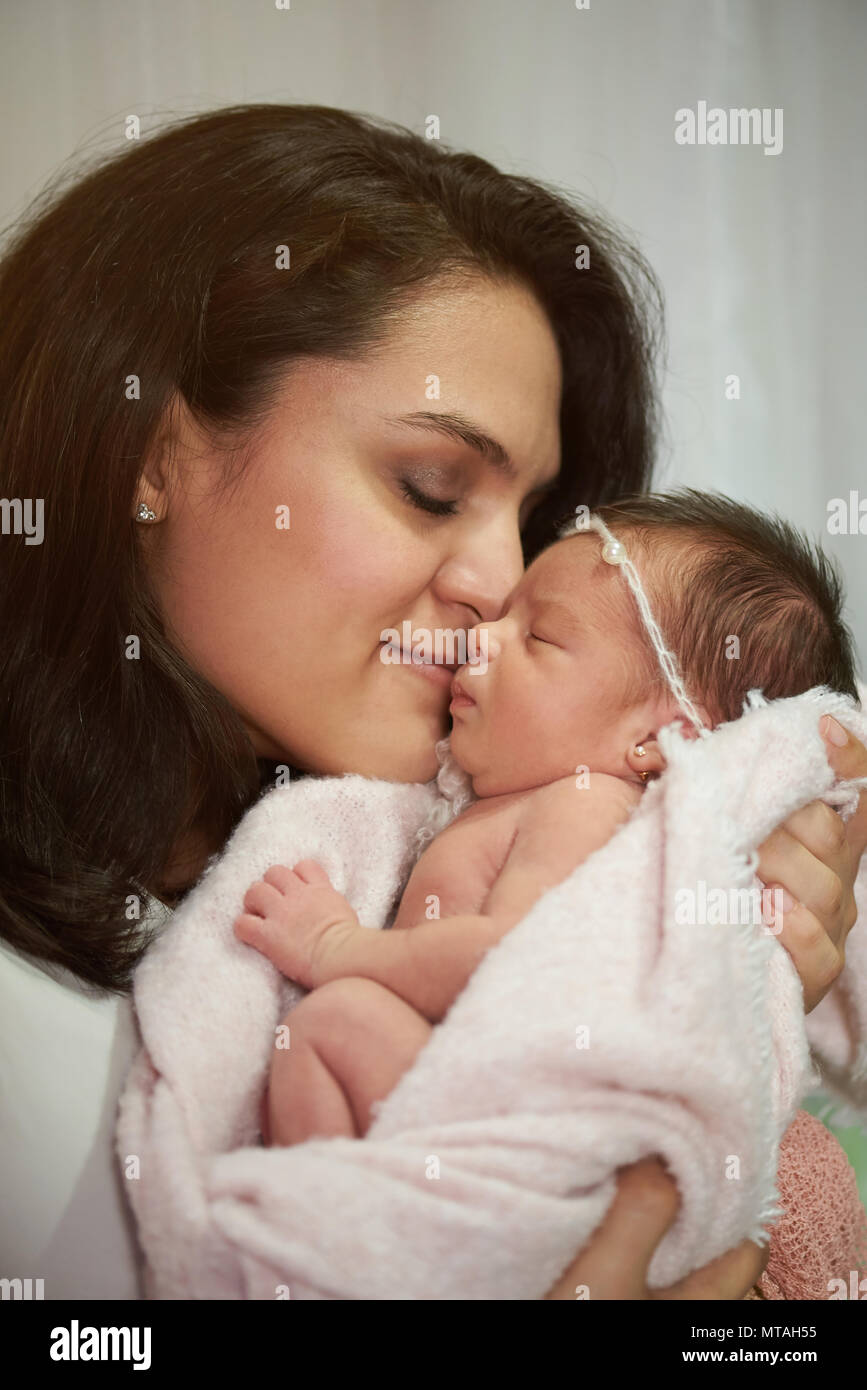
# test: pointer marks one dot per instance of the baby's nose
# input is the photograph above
(490, 644)
(482, 647)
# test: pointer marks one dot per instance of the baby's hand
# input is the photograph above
(293, 916)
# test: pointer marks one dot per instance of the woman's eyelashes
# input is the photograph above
(447, 506)
(434, 506)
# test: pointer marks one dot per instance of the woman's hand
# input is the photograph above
(615, 1261)
(814, 858)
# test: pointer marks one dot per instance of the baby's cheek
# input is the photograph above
(524, 733)
(555, 745)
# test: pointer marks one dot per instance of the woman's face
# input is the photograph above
(289, 622)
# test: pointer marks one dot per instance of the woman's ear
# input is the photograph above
(155, 479)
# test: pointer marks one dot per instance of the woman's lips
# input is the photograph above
(437, 672)
(460, 698)
(441, 675)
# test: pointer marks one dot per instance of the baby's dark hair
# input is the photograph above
(714, 570)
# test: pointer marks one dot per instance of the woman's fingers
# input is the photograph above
(812, 911)
(848, 758)
(731, 1276)
(815, 957)
(615, 1261)
(811, 858)
(814, 856)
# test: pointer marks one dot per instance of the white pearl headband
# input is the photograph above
(614, 553)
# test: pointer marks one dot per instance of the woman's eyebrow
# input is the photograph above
(464, 431)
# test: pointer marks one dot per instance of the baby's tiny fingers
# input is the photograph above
(249, 929)
(266, 936)
(262, 898)
(281, 878)
(311, 872)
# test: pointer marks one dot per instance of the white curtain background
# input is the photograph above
(762, 258)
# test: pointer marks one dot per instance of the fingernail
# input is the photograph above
(832, 731)
(776, 901)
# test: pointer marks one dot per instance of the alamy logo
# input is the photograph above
(857, 1289)
(721, 907)
(847, 519)
(76, 1343)
(738, 126)
(22, 1288)
(440, 647)
(23, 517)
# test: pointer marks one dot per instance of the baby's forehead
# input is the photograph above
(572, 573)
(567, 565)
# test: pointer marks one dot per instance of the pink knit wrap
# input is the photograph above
(822, 1234)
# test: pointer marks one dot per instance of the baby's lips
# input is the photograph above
(461, 684)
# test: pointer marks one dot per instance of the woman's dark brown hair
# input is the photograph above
(161, 264)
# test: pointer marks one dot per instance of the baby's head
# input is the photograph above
(742, 601)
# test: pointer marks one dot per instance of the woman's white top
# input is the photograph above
(64, 1057)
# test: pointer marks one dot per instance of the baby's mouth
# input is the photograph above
(460, 698)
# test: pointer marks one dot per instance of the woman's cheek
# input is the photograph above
(362, 553)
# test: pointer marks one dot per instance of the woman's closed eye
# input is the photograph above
(435, 506)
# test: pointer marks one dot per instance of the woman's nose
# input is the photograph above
(483, 575)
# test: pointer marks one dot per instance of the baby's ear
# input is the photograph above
(646, 756)
(687, 727)
(669, 711)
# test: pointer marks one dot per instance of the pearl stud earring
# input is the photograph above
(145, 513)
(641, 752)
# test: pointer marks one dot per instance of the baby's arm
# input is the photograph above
(311, 933)
(317, 937)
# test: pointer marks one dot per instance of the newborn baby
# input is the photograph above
(558, 734)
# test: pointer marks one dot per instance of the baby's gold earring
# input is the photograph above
(641, 752)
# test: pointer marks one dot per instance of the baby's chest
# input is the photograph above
(456, 873)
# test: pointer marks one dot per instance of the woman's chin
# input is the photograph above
(408, 754)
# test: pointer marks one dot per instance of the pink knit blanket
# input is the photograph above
(638, 1008)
